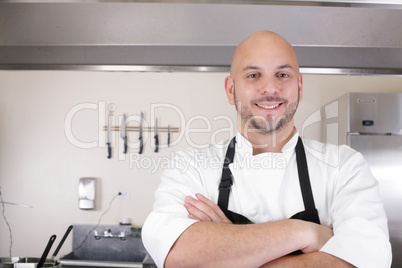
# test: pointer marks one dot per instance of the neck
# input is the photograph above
(269, 142)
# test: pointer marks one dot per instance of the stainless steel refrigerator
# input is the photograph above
(371, 123)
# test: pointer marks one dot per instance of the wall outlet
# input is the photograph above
(123, 193)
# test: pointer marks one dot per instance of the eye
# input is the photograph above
(253, 76)
(283, 75)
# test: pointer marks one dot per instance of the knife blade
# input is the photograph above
(156, 136)
(168, 141)
(141, 130)
(109, 148)
(123, 133)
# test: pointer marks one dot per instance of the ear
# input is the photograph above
(229, 88)
(300, 87)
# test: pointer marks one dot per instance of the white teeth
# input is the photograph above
(268, 107)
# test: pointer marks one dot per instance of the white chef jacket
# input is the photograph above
(266, 188)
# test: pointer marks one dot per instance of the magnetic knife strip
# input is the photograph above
(145, 129)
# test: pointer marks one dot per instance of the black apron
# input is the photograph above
(309, 214)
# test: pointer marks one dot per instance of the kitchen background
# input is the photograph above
(41, 167)
(63, 62)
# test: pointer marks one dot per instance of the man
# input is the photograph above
(313, 205)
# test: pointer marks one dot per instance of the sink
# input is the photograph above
(109, 251)
(72, 261)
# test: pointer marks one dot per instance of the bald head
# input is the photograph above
(263, 46)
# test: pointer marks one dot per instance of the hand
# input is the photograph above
(203, 209)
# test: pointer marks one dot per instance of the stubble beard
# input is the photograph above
(268, 124)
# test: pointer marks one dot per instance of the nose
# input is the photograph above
(269, 86)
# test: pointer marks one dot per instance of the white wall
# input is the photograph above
(39, 165)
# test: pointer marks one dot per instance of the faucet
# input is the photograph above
(108, 234)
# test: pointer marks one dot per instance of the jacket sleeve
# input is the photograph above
(359, 221)
(169, 219)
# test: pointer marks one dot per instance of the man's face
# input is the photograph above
(266, 85)
(267, 122)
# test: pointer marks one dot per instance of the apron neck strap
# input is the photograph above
(304, 177)
(227, 177)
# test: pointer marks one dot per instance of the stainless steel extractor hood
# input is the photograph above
(329, 36)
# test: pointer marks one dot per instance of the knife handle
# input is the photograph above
(156, 143)
(47, 249)
(62, 241)
(125, 146)
(109, 150)
(141, 145)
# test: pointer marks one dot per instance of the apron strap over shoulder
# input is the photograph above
(227, 177)
(304, 177)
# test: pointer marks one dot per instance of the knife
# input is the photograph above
(156, 136)
(109, 148)
(168, 141)
(140, 138)
(123, 133)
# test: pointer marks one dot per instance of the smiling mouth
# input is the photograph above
(268, 107)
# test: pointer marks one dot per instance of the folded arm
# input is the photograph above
(214, 241)
(228, 245)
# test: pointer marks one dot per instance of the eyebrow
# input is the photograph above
(280, 67)
(284, 66)
(248, 68)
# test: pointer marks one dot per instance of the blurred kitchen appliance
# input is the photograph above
(86, 193)
(371, 123)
